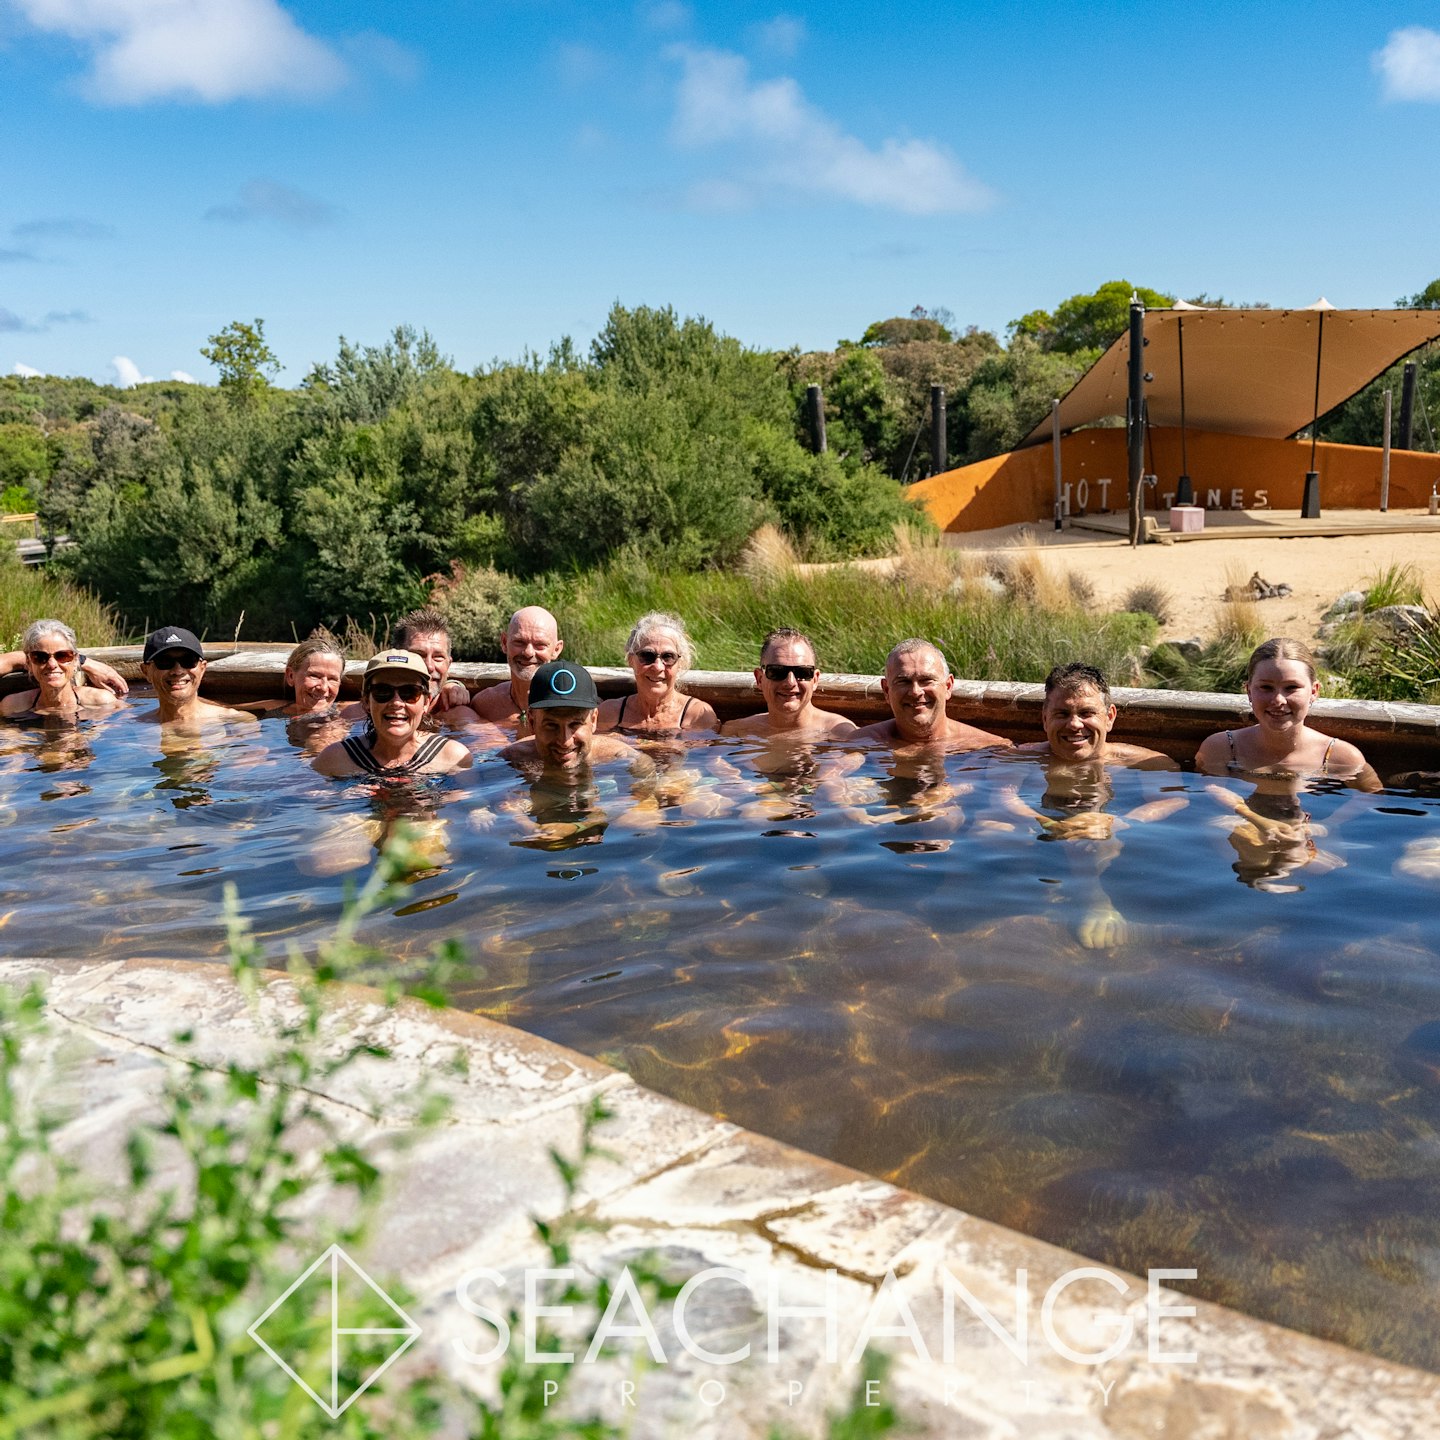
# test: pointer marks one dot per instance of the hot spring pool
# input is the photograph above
(1249, 1086)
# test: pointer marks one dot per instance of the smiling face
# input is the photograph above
(1078, 721)
(917, 685)
(787, 695)
(317, 682)
(1281, 693)
(531, 641)
(657, 676)
(43, 660)
(175, 675)
(395, 717)
(563, 735)
(434, 649)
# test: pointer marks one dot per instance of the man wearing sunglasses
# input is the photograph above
(532, 639)
(174, 664)
(787, 676)
(917, 683)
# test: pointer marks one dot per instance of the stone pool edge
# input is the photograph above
(702, 1191)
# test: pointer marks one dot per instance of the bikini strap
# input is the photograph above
(680, 723)
(361, 754)
(1325, 758)
(428, 750)
(620, 718)
(1230, 736)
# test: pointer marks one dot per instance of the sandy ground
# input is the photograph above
(1195, 571)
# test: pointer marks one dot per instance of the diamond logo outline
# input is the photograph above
(410, 1330)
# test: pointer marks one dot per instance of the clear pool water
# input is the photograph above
(1249, 1086)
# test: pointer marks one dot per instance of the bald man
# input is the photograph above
(532, 639)
(917, 683)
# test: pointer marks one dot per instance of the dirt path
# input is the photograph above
(1195, 572)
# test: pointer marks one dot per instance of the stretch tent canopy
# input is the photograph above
(1246, 372)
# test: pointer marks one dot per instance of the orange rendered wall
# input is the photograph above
(1260, 474)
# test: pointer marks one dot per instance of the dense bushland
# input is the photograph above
(387, 475)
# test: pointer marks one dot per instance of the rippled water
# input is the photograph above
(1249, 1086)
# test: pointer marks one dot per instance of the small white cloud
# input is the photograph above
(788, 145)
(212, 51)
(666, 15)
(580, 65)
(270, 200)
(780, 37)
(379, 54)
(28, 371)
(67, 227)
(1410, 64)
(185, 376)
(127, 373)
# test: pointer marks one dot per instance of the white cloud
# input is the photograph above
(1410, 64)
(127, 373)
(790, 146)
(207, 50)
(781, 36)
(270, 200)
(185, 376)
(65, 227)
(28, 371)
(669, 15)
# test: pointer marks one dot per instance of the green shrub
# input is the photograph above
(477, 603)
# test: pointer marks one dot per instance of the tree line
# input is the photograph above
(387, 471)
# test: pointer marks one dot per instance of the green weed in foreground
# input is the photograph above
(27, 594)
(854, 616)
(124, 1312)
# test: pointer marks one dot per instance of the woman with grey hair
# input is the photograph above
(659, 652)
(51, 657)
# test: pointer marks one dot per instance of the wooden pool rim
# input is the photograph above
(1393, 736)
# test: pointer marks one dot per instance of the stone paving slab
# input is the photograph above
(690, 1193)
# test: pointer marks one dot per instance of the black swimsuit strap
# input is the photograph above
(620, 718)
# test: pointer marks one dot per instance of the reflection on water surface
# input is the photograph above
(880, 965)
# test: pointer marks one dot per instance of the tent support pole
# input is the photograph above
(1136, 436)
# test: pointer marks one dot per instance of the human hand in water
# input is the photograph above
(1103, 927)
(1088, 825)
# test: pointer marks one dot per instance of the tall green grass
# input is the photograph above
(853, 615)
(27, 593)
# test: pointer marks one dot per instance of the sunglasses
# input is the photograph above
(801, 672)
(41, 658)
(386, 693)
(649, 657)
(171, 658)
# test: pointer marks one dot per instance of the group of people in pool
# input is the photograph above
(413, 718)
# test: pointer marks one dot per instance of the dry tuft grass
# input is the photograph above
(923, 562)
(1028, 576)
(1237, 617)
(1149, 597)
(768, 555)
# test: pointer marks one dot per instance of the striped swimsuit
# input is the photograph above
(361, 753)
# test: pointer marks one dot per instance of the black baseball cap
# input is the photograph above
(171, 637)
(562, 686)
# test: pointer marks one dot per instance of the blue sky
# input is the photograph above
(501, 171)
